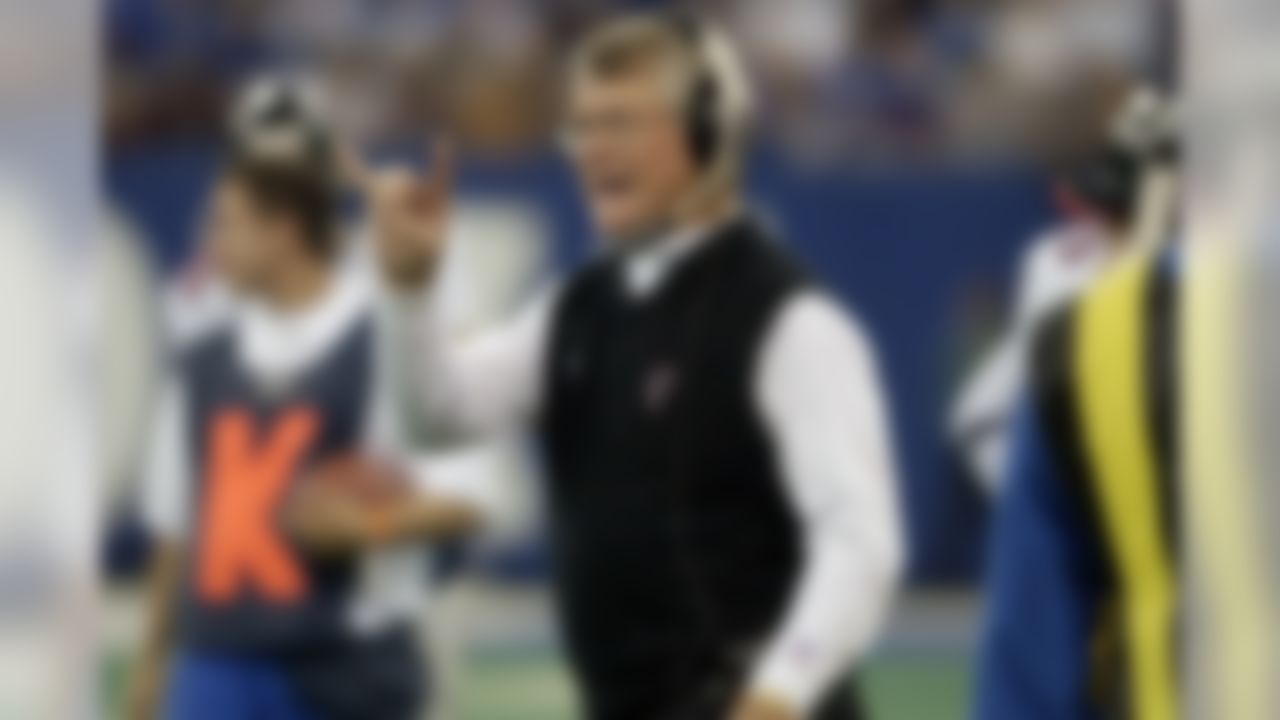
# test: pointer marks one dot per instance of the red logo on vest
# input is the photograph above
(659, 386)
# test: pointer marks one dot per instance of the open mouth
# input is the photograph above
(612, 186)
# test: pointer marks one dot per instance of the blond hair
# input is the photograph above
(696, 57)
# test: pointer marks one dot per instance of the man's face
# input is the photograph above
(631, 152)
(244, 242)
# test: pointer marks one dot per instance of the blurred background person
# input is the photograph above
(287, 572)
(1085, 612)
(722, 498)
(1097, 194)
(197, 300)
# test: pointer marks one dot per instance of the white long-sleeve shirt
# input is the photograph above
(1058, 264)
(816, 388)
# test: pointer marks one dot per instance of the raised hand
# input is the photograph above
(410, 215)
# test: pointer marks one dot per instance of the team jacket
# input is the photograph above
(1082, 587)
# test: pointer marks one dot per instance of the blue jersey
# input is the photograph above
(248, 588)
(261, 621)
(1045, 591)
(1082, 587)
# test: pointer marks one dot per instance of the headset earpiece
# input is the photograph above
(703, 125)
(702, 109)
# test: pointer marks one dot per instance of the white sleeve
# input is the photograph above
(166, 485)
(980, 417)
(468, 474)
(459, 390)
(818, 392)
(472, 475)
(979, 422)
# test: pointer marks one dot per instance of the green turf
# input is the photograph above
(533, 686)
(527, 686)
(932, 688)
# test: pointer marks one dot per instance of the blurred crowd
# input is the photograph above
(843, 81)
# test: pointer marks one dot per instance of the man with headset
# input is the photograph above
(721, 490)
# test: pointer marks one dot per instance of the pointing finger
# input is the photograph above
(440, 173)
(354, 172)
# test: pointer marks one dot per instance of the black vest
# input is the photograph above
(676, 547)
(339, 675)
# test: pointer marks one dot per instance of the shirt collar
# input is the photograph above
(276, 346)
(645, 270)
